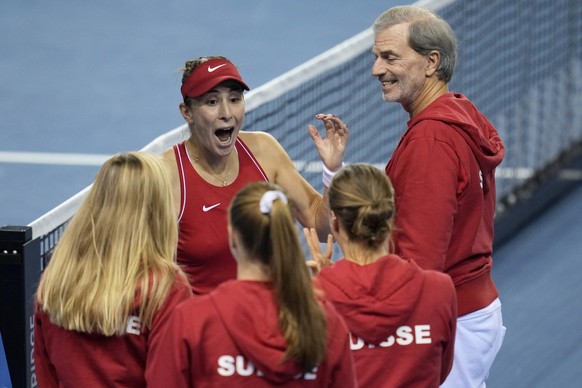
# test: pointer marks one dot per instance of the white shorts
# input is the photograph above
(478, 339)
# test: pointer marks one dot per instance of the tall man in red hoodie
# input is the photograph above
(443, 172)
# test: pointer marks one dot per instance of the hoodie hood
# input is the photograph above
(249, 313)
(460, 113)
(373, 299)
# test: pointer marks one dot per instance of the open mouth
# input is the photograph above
(224, 134)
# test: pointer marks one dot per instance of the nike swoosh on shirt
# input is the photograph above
(207, 208)
(211, 69)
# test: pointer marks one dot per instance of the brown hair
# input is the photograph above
(272, 240)
(362, 198)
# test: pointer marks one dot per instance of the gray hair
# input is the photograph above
(427, 32)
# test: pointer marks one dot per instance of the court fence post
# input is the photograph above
(20, 269)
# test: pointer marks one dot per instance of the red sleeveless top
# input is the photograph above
(203, 250)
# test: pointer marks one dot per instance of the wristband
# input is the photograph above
(327, 174)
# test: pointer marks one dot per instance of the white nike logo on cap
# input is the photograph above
(207, 208)
(211, 69)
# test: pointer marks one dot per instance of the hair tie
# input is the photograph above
(268, 198)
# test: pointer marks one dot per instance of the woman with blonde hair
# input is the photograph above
(112, 280)
(266, 328)
(401, 318)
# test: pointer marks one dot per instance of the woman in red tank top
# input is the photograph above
(218, 159)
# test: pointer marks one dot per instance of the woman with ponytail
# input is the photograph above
(266, 328)
(401, 319)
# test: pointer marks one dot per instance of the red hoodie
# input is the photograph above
(66, 358)
(402, 320)
(231, 338)
(443, 172)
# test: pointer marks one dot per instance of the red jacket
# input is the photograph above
(443, 172)
(231, 338)
(402, 320)
(64, 358)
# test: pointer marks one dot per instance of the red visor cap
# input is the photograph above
(209, 74)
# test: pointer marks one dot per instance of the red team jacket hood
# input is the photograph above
(378, 297)
(250, 316)
(481, 136)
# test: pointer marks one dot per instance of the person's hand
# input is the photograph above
(331, 149)
(319, 260)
